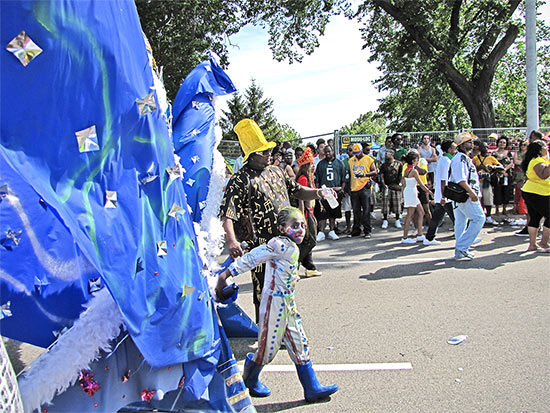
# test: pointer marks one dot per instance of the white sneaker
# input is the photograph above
(432, 242)
(491, 221)
(408, 241)
(332, 235)
(398, 224)
(385, 224)
(320, 236)
(420, 238)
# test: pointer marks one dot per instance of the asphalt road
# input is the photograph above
(379, 301)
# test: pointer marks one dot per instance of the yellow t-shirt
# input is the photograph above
(359, 166)
(422, 163)
(534, 184)
(488, 160)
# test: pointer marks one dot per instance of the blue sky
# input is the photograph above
(328, 90)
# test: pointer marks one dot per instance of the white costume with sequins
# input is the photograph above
(279, 318)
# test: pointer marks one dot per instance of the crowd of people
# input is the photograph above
(399, 180)
(456, 177)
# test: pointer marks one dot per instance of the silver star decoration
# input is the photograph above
(148, 178)
(187, 290)
(5, 310)
(3, 191)
(195, 158)
(110, 199)
(174, 173)
(94, 284)
(39, 284)
(162, 248)
(147, 104)
(190, 182)
(195, 104)
(12, 235)
(207, 68)
(202, 204)
(59, 333)
(174, 211)
(195, 132)
(87, 140)
(23, 48)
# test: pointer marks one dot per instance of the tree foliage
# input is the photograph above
(418, 44)
(183, 32)
(509, 87)
(253, 105)
(366, 123)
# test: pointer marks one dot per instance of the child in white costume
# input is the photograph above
(279, 318)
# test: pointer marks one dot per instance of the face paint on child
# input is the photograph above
(296, 229)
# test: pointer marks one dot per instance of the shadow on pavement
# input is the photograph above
(489, 262)
(284, 406)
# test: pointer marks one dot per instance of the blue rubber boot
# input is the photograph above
(251, 379)
(313, 390)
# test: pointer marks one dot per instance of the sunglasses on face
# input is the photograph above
(264, 154)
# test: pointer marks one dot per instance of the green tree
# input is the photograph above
(183, 32)
(366, 123)
(420, 43)
(509, 87)
(288, 133)
(252, 106)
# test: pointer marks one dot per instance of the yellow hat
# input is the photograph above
(251, 137)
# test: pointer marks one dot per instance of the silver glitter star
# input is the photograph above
(147, 104)
(148, 178)
(195, 104)
(110, 199)
(87, 140)
(94, 284)
(195, 132)
(5, 310)
(202, 204)
(23, 48)
(162, 248)
(190, 182)
(12, 236)
(174, 211)
(195, 158)
(3, 191)
(174, 173)
(39, 284)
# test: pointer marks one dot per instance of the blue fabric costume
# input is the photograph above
(92, 197)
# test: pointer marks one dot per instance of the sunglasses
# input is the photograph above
(264, 154)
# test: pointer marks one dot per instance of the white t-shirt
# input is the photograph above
(463, 169)
(441, 174)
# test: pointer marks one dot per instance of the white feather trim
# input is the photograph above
(56, 370)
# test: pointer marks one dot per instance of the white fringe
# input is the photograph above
(58, 369)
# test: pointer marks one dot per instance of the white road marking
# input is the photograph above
(341, 367)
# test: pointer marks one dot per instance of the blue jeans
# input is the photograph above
(360, 202)
(467, 214)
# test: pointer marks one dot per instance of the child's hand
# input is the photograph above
(222, 283)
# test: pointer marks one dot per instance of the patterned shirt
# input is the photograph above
(391, 173)
(269, 191)
(463, 169)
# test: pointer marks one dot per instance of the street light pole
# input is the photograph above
(531, 65)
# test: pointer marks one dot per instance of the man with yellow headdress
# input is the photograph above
(254, 197)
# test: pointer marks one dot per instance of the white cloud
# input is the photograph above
(328, 90)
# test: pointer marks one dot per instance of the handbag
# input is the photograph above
(455, 192)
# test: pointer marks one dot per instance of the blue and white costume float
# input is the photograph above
(108, 224)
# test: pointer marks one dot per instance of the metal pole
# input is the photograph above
(531, 65)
